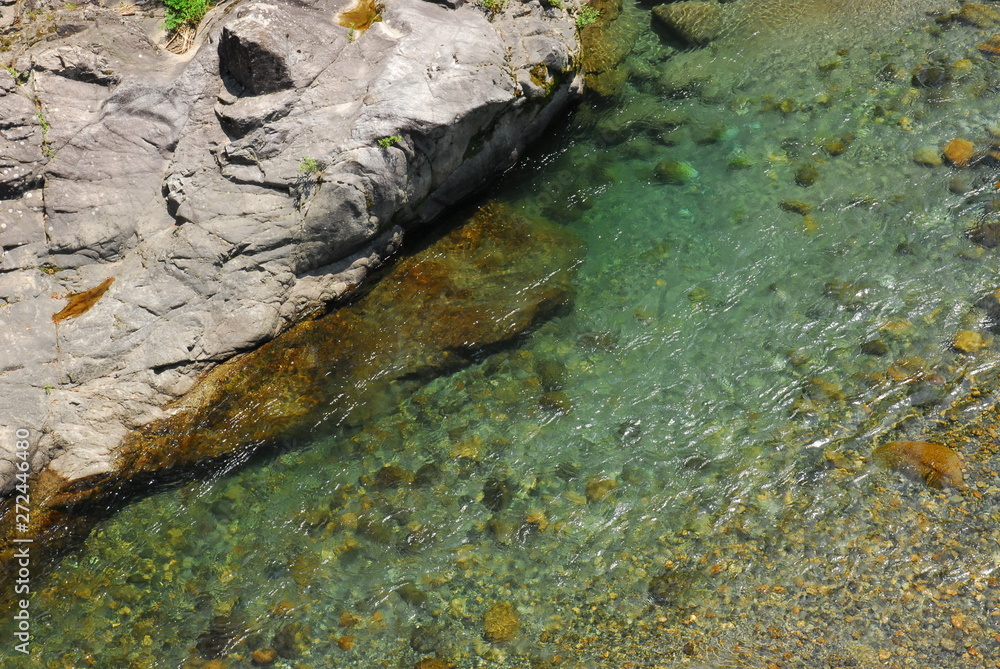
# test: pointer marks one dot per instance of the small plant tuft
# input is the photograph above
(494, 6)
(587, 16)
(19, 77)
(181, 12)
(310, 166)
(386, 142)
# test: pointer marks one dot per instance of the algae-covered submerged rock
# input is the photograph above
(935, 464)
(674, 172)
(484, 283)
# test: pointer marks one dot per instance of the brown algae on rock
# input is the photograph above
(935, 464)
(361, 15)
(80, 303)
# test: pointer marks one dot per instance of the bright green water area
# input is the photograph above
(677, 472)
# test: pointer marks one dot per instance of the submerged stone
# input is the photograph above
(432, 663)
(393, 476)
(876, 347)
(980, 16)
(935, 464)
(986, 233)
(497, 494)
(292, 640)
(990, 48)
(795, 207)
(807, 175)
(930, 76)
(599, 488)
(224, 632)
(501, 622)
(969, 341)
(264, 656)
(672, 586)
(694, 23)
(959, 152)
(674, 172)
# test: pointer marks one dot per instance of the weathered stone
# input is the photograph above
(253, 51)
(694, 22)
(935, 464)
(430, 314)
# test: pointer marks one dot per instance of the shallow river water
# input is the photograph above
(678, 471)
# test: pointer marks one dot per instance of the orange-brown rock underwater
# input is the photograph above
(482, 284)
(935, 464)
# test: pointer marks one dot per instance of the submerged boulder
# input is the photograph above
(674, 172)
(694, 22)
(978, 15)
(959, 152)
(935, 464)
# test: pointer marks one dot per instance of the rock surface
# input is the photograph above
(217, 197)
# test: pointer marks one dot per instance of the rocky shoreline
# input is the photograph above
(163, 213)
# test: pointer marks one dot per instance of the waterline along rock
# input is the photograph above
(193, 206)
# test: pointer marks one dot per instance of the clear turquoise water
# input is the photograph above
(710, 375)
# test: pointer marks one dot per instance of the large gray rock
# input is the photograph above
(232, 190)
